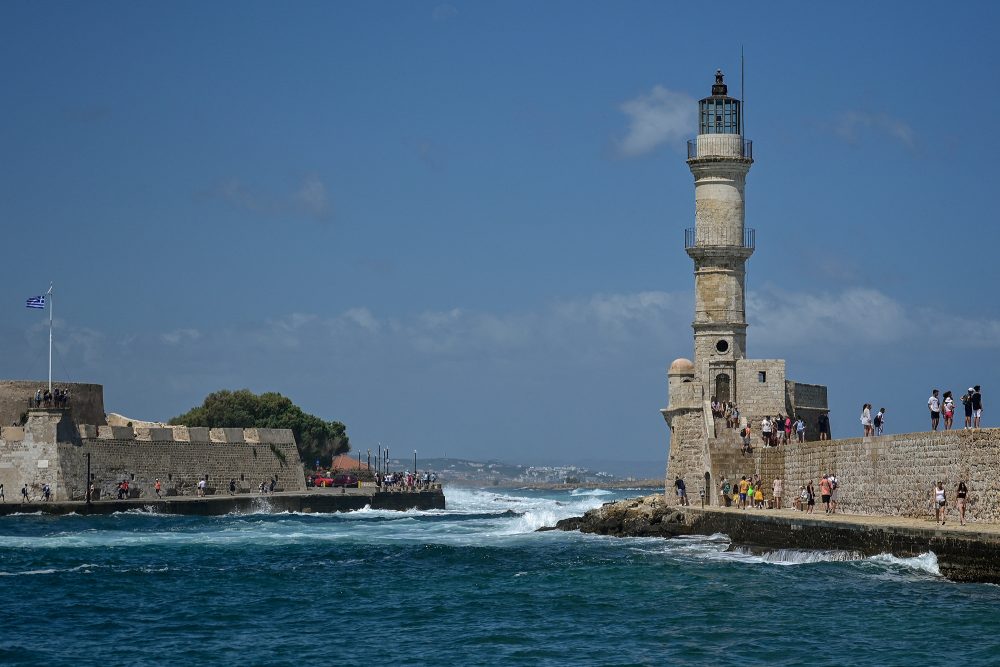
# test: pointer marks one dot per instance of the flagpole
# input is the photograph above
(51, 307)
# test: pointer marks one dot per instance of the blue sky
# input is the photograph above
(457, 227)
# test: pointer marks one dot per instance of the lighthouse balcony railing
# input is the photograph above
(741, 149)
(693, 239)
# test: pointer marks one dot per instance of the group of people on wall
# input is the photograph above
(944, 405)
(942, 408)
(748, 493)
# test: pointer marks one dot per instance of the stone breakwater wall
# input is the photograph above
(309, 502)
(963, 555)
(886, 475)
(50, 449)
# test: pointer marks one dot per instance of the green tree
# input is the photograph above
(315, 438)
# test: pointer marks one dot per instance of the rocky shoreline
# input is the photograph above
(648, 516)
(967, 554)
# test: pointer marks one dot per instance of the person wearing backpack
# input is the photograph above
(878, 421)
(727, 492)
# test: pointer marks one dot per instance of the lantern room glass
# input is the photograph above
(719, 115)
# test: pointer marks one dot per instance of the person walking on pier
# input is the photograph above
(744, 487)
(977, 406)
(834, 486)
(960, 495)
(24, 494)
(940, 502)
(727, 492)
(949, 410)
(866, 418)
(681, 490)
(810, 497)
(3, 498)
(776, 491)
(823, 426)
(967, 403)
(765, 430)
(934, 406)
(879, 421)
(157, 486)
(824, 491)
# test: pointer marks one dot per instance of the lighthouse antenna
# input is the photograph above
(743, 108)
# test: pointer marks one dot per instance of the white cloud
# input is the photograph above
(852, 124)
(180, 335)
(363, 318)
(661, 116)
(854, 316)
(312, 199)
(309, 199)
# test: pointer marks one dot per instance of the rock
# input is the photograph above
(642, 517)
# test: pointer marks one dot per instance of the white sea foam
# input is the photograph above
(925, 562)
(798, 556)
(472, 517)
(590, 492)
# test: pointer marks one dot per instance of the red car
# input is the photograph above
(322, 480)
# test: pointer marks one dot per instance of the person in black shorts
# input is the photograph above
(967, 402)
(977, 406)
(681, 490)
(823, 426)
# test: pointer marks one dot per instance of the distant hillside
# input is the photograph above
(498, 472)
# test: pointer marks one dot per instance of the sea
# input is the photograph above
(473, 584)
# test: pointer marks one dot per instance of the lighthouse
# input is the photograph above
(719, 243)
(703, 449)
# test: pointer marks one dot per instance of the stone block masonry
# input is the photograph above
(87, 400)
(50, 449)
(886, 475)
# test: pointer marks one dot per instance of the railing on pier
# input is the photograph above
(691, 239)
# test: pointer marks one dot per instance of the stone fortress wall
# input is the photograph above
(884, 475)
(87, 400)
(52, 449)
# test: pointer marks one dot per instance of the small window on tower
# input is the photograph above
(722, 346)
(762, 376)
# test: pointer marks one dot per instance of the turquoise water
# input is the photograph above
(471, 585)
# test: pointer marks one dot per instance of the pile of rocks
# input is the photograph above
(648, 516)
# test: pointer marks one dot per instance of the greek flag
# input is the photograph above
(36, 302)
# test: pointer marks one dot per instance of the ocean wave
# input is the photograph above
(51, 570)
(925, 562)
(798, 556)
(591, 492)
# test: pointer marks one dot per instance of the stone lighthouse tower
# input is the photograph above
(719, 243)
(702, 449)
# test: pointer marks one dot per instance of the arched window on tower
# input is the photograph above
(722, 391)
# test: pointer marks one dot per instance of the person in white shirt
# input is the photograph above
(934, 405)
(765, 430)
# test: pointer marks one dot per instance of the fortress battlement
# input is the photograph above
(51, 449)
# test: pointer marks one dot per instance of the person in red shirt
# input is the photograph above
(824, 491)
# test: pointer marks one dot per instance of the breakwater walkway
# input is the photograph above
(317, 500)
(964, 553)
